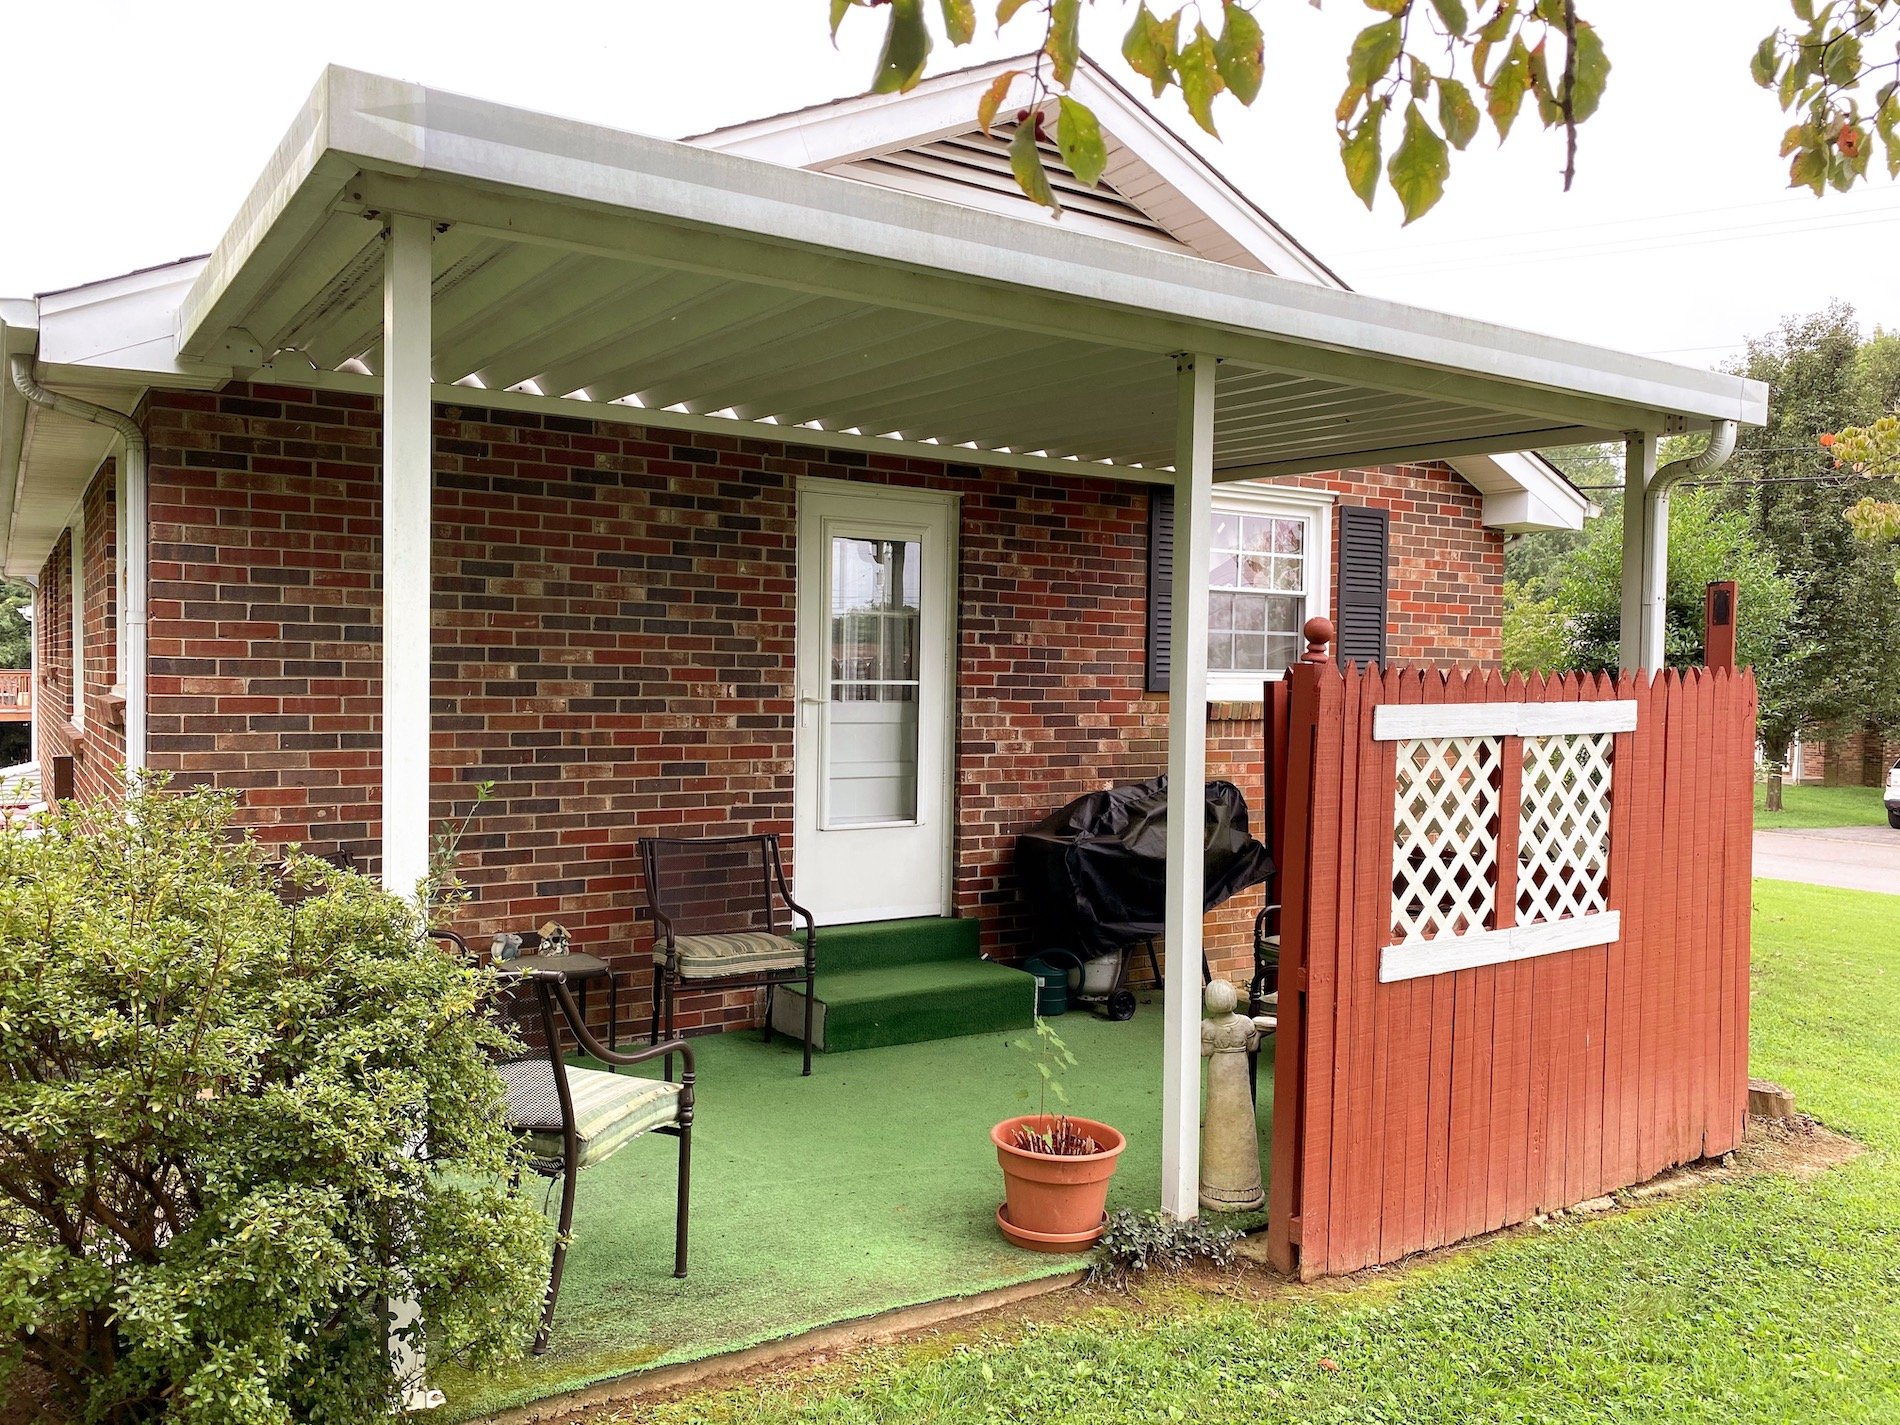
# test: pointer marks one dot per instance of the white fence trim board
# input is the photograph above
(1418, 958)
(1396, 722)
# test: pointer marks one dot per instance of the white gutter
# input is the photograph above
(1655, 596)
(134, 551)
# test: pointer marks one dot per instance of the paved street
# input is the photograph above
(1857, 858)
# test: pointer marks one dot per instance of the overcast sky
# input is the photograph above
(137, 128)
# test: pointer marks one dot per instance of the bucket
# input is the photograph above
(1052, 969)
(1101, 974)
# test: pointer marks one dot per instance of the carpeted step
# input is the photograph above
(907, 1003)
(877, 944)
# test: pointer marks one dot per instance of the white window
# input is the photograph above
(1269, 555)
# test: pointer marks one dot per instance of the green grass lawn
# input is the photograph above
(1803, 807)
(1765, 1299)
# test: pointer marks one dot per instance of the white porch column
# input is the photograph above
(1639, 468)
(407, 476)
(1187, 774)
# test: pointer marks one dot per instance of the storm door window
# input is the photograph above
(872, 697)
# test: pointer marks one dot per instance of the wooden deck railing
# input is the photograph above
(16, 694)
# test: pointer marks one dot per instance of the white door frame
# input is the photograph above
(806, 792)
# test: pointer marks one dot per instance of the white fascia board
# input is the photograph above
(19, 335)
(122, 324)
(1523, 493)
(1152, 299)
(828, 135)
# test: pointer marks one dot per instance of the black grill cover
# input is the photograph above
(1095, 872)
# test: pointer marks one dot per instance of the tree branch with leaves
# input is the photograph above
(1420, 80)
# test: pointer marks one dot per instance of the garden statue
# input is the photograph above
(1230, 1141)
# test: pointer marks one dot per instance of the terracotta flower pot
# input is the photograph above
(1056, 1202)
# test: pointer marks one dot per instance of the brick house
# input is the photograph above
(600, 459)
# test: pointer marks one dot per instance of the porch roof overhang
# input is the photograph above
(619, 276)
(594, 265)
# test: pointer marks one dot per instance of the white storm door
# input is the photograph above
(871, 777)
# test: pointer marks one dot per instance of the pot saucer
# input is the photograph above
(1048, 1241)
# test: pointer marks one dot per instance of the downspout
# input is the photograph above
(134, 557)
(1655, 599)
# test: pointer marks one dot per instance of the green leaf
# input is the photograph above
(1809, 170)
(1064, 45)
(1458, 113)
(1200, 79)
(1006, 11)
(1420, 166)
(1453, 13)
(1359, 152)
(993, 97)
(1508, 87)
(1241, 52)
(1590, 73)
(1025, 161)
(906, 47)
(839, 9)
(959, 20)
(1767, 61)
(1079, 137)
(1548, 107)
(1149, 47)
(1375, 50)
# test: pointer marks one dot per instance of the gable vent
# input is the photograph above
(974, 168)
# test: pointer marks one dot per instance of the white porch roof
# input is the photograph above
(654, 281)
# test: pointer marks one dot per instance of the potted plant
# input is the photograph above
(1055, 1167)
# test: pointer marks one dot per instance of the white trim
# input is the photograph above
(1315, 507)
(408, 478)
(1394, 722)
(1420, 958)
(77, 580)
(1187, 774)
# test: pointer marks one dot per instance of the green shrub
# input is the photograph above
(1136, 1241)
(231, 1129)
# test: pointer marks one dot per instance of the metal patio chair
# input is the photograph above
(723, 918)
(570, 1118)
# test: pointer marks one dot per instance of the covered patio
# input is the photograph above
(868, 1187)
(424, 247)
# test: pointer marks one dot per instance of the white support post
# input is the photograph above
(1187, 775)
(1639, 468)
(407, 475)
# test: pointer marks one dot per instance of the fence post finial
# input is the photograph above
(1319, 636)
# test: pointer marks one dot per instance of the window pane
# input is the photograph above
(870, 754)
(1256, 571)
(1285, 615)
(1223, 571)
(1282, 651)
(1289, 574)
(1257, 531)
(1220, 652)
(1224, 531)
(1250, 651)
(1289, 537)
(1250, 611)
(1220, 610)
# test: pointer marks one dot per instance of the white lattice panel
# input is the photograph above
(1563, 846)
(1444, 837)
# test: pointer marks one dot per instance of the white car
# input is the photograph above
(1893, 796)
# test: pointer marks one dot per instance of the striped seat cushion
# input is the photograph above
(610, 1110)
(748, 952)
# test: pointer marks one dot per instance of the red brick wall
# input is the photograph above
(98, 751)
(614, 642)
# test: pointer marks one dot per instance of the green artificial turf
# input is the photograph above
(910, 1003)
(1804, 807)
(871, 1185)
(1765, 1300)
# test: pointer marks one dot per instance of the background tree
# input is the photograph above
(16, 632)
(1842, 671)
(1420, 80)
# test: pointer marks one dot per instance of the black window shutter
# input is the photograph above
(1365, 536)
(1160, 588)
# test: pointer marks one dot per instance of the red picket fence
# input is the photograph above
(1412, 1114)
